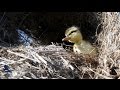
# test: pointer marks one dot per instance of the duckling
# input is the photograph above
(74, 35)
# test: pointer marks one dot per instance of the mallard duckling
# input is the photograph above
(74, 35)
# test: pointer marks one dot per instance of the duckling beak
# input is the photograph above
(66, 39)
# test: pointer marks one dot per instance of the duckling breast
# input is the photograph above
(76, 49)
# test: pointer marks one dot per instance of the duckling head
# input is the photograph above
(73, 35)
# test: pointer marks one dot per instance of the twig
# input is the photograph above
(21, 55)
(5, 59)
(100, 74)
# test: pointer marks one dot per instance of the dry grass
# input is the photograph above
(42, 62)
(109, 41)
(54, 62)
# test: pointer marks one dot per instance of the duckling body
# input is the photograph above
(80, 46)
(84, 47)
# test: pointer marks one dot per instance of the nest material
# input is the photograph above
(109, 41)
(43, 62)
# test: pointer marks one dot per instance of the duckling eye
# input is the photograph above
(72, 32)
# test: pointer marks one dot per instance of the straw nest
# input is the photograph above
(109, 41)
(55, 62)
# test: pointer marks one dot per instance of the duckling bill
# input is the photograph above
(74, 35)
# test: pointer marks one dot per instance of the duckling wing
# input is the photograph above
(86, 48)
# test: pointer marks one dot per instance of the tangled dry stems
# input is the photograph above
(109, 40)
(43, 62)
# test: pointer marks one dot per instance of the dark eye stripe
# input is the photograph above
(72, 32)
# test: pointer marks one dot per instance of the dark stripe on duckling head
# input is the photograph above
(72, 32)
